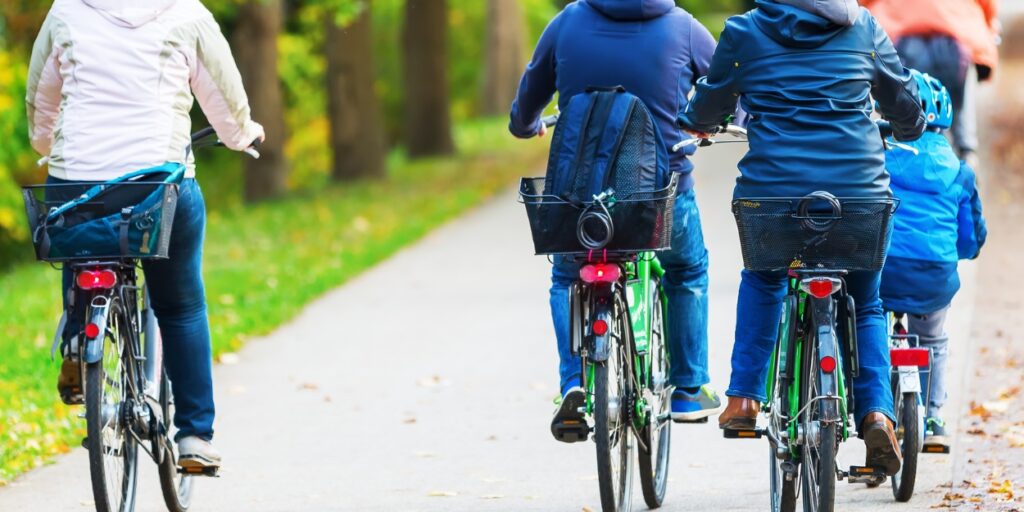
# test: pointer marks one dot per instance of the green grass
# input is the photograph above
(262, 265)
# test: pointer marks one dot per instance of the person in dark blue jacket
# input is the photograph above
(656, 51)
(805, 71)
(939, 222)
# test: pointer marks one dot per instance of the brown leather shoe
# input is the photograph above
(739, 414)
(883, 447)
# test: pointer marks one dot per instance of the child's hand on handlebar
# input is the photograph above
(698, 135)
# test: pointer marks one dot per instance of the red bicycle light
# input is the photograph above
(820, 287)
(600, 327)
(600, 273)
(92, 331)
(828, 364)
(909, 357)
(96, 279)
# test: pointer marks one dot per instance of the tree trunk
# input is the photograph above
(503, 55)
(255, 47)
(425, 66)
(357, 140)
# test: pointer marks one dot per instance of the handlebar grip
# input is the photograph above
(549, 121)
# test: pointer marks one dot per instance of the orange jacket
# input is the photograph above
(971, 22)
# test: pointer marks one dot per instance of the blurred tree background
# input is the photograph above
(337, 83)
(385, 119)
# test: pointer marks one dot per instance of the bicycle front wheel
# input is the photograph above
(612, 432)
(819, 471)
(113, 451)
(657, 433)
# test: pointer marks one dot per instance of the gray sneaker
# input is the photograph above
(196, 452)
(695, 408)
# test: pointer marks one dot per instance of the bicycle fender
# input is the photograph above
(94, 346)
(602, 310)
(824, 324)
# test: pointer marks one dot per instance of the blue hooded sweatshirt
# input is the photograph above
(651, 47)
(805, 72)
(938, 222)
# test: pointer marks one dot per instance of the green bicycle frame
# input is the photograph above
(795, 367)
(640, 276)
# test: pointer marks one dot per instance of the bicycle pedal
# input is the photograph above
(866, 475)
(212, 472)
(571, 431)
(732, 433)
(935, 448)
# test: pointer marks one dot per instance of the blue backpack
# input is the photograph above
(606, 139)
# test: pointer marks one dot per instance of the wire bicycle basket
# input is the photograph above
(633, 222)
(818, 230)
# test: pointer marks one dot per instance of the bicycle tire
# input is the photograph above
(822, 496)
(105, 477)
(657, 433)
(903, 481)
(783, 492)
(818, 465)
(614, 473)
(177, 488)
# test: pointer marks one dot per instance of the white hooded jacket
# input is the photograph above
(111, 83)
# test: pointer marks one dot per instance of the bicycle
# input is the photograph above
(128, 400)
(617, 327)
(816, 240)
(909, 361)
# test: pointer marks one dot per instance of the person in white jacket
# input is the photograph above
(110, 87)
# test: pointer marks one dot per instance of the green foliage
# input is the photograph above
(262, 265)
(17, 160)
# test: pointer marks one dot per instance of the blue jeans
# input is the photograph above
(179, 302)
(758, 313)
(686, 285)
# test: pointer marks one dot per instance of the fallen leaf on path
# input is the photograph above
(980, 411)
(976, 431)
(442, 494)
(587, 509)
(308, 386)
(433, 382)
(1005, 488)
(1009, 393)
(492, 496)
(409, 421)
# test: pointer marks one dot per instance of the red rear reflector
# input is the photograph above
(93, 279)
(909, 357)
(92, 331)
(600, 273)
(600, 327)
(820, 288)
(828, 364)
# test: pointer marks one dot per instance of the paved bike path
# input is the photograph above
(426, 385)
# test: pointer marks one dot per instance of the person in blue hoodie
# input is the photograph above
(805, 72)
(656, 51)
(938, 223)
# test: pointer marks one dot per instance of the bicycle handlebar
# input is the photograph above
(202, 139)
(549, 121)
(729, 129)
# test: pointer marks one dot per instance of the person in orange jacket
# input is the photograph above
(954, 41)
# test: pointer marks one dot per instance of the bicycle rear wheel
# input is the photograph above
(113, 451)
(177, 488)
(657, 433)
(612, 433)
(910, 442)
(818, 463)
(783, 491)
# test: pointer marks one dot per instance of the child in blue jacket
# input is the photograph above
(938, 222)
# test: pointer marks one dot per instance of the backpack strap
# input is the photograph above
(175, 173)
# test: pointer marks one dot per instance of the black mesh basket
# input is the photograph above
(642, 220)
(774, 235)
(131, 221)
